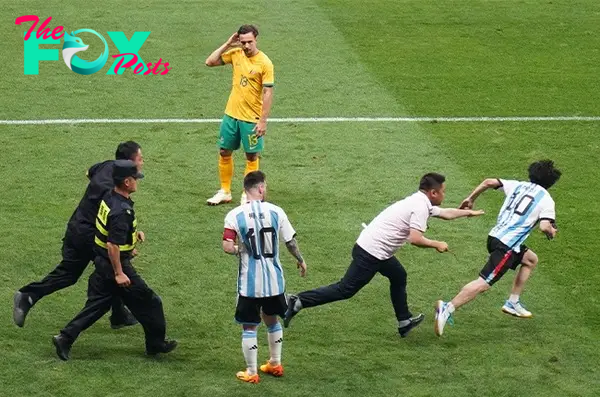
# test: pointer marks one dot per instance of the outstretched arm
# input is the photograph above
(490, 183)
(453, 213)
(292, 247)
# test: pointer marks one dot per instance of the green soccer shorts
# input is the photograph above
(234, 131)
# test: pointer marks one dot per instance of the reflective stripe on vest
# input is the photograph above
(122, 248)
(101, 237)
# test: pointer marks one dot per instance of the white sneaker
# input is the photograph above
(243, 199)
(442, 316)
(516, 309)
(219, 198)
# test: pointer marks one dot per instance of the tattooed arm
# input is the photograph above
(292, 247)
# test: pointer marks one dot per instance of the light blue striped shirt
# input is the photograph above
(525, 205)
(259, 227)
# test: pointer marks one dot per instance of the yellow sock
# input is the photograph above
(226, 172)
(251, 166)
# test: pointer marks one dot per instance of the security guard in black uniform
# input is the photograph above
(114, 276)
(78, 242)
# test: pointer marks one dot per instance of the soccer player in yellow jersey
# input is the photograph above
(248, 107)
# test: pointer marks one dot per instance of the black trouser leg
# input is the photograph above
(394, 271)
(75, 258)
(145, 306)
(101, 290)
(77, 253)
(360, 272)
(119, 313)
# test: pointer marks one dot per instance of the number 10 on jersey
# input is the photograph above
(258, 248)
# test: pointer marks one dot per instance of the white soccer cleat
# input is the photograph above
(516, 309)
(442, 316)
(243, 199)
(220, 197)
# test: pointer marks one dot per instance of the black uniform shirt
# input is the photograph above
(83, 219)
(120, 223)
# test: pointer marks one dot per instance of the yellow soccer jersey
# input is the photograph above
(250, 75)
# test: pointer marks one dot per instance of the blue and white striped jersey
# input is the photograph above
(259, 227)
(525, 205)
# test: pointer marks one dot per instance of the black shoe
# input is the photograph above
(166, 347)
(128, 321)
(414, 321)
(63, 346)
(291, 311)
(22, 304)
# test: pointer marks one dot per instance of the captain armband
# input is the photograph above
(229, 235)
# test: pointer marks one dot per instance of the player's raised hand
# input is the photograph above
(467, 204)
(234, 40)
(302, 267)
(442, 246)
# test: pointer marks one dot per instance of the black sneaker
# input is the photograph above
(22, 304)
(128, 321)
(166, 347)
(291, 311)
(414, 321)
(63, 346)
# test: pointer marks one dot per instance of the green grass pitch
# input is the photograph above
(332, 58)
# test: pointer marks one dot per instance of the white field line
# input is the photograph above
(310, 120)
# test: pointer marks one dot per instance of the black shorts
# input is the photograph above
(500, 260)
(248, 309)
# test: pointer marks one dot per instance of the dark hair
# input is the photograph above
(248, 29)
(543, 173)
(253, 179)
(118, 181)
(431, 181)
(127, 150)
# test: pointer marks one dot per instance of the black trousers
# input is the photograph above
(77, 253)
(361, 271)
(144, 304)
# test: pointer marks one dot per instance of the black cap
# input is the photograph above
(125, 168)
